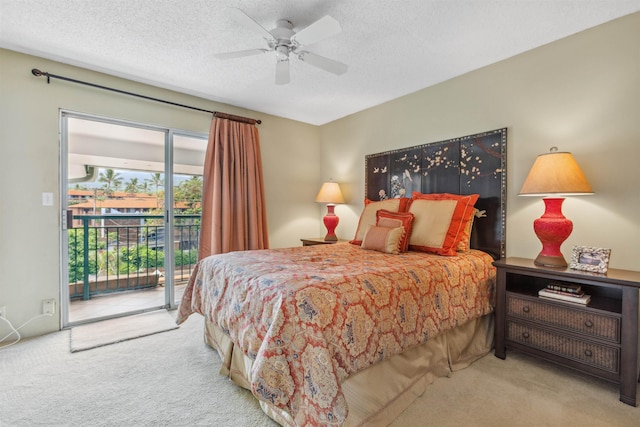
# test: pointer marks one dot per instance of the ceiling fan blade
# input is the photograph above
(282, 72)
(321, 29)
(249, 23)
(240, 53)
(323, 63)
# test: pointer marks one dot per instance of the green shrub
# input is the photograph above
(136, 258)
(187, 257)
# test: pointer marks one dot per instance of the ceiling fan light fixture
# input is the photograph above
(282, 53)
(283, 40)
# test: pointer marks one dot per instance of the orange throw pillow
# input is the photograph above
(440, 221)
(397, 219)
(464, 245)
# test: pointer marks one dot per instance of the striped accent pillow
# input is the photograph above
(383, 239)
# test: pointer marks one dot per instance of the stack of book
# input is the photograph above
(565, 292)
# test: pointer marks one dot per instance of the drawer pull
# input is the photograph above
(588, 353)
(525, 308)
(588, 324)
(525, 335)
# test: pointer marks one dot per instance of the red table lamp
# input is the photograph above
(554, 173)
(330, 194)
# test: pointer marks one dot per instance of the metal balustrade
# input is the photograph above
(118, 252)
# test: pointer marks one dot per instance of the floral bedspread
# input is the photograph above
(311, 316)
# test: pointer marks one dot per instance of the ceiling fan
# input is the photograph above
(284, 41)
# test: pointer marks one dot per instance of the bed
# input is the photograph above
(350, 334)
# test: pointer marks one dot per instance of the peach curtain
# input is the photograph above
(233, 205)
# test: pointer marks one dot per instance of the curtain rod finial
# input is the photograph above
(39, 73)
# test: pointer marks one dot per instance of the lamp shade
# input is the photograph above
(330, 193)
(555, 173)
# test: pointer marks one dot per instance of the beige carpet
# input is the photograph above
(171, 379)
(112, 331)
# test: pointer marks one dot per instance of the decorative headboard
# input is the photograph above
(474, 164)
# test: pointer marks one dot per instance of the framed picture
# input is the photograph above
(587, 258)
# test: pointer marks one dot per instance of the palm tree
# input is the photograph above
(132, 186)
(157, 181)
(98, 194)
(112, 180)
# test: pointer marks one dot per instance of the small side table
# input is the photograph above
(600, 338)
(310, 241)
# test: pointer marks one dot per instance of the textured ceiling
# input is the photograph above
(392, 47)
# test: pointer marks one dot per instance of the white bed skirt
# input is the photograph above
(378, 394)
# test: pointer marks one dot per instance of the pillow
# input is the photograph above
(383, 239)
(397, 219)
(440, 220)
(464, 245)
(368, 215)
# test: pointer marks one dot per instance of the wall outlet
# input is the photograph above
(49, 306)
(3, 311)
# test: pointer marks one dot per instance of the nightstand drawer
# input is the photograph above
(599, 356)
(564, 316)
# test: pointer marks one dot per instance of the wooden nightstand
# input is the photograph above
(599, 339)
(310, 241)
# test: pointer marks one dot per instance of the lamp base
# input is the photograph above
(550, 261)
(552, 228)
(331, 222)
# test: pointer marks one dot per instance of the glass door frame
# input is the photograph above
(169, 255)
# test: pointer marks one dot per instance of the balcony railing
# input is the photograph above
(114, 253)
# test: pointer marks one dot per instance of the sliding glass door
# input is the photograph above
(187, 154)
(130, 216)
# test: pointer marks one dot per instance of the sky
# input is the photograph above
(126, 175)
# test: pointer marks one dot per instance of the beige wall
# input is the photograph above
(29, 165)
(581, 94)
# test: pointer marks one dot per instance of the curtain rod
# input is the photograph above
(49, 76)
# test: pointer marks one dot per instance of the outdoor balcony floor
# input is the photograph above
(114, 304)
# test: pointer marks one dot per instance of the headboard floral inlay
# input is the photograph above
(473, 164)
